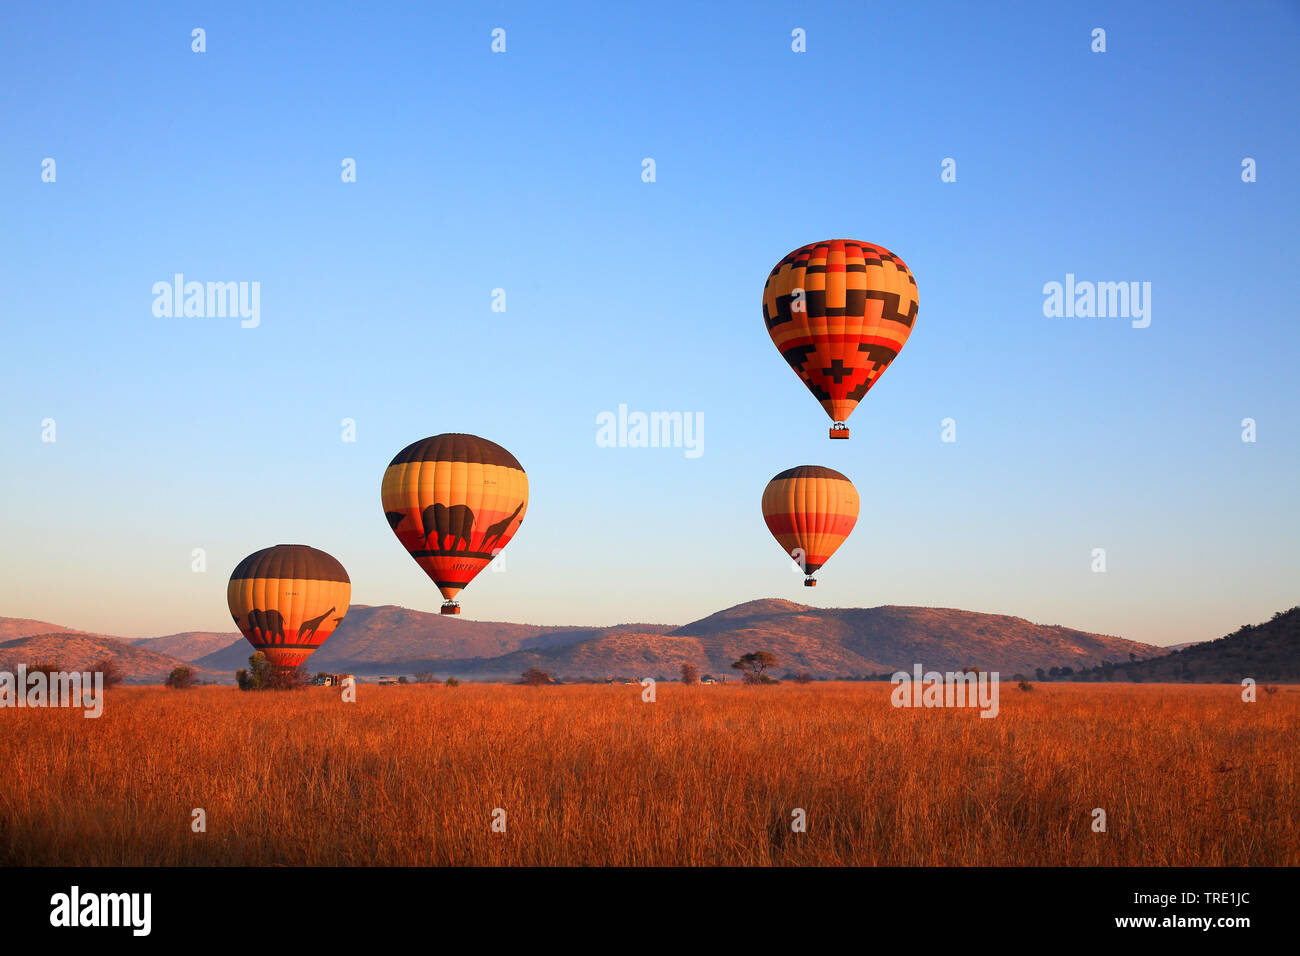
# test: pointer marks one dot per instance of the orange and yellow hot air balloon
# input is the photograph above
(839, 312)
(287, 600)
(454, 501)
(810, 510)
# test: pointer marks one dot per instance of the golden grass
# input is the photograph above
(1187, 775)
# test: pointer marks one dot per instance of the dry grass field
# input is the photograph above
(706, 775)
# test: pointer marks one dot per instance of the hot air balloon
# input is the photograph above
(839, 312)
(287, 600)
(810, 510)
(454, 501)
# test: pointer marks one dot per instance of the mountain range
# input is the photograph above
(822, 642)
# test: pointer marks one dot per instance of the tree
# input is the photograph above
(803, 677)
(402, 679)
(180, 678)
(258, 675)
(111, 669)
(690, 674)
(1040, 673)
(753, 667)
(452, 682)
(534, 677)
(424, 677)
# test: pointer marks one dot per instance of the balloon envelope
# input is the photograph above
(839, 312)
(454, 501)
(810, 510)
(287, 600)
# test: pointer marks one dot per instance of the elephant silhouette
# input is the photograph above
(394, 518)
(308, 629)
(456, 522)
(497, 529)
(270, 623)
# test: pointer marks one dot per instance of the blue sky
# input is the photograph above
(522, 171)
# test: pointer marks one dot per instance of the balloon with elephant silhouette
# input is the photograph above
(454, 501)
(287, 600)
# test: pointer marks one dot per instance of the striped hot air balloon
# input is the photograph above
(839, 312)
(454, 501)
(287, 600)
(810, 510)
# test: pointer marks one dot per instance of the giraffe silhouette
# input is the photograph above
(497, 529)
(309, 628)
(456, 523)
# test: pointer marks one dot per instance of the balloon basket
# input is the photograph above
(810, 582)
(451, 607)
(839, 431)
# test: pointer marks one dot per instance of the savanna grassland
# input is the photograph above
(1187, 774)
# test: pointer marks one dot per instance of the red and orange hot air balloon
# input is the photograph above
(287, 600)
(810, 510)
(839, 311)
(454, 501)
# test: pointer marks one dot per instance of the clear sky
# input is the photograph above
(523, 171)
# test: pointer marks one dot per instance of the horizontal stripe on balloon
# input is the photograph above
(803, 524)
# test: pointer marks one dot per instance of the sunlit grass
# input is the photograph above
(706, 775)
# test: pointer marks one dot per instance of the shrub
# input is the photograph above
(451, 682)
(45, 667)
(180, 678)
(690, 674)
(1025, 685)
(261, 675)
(111, 669)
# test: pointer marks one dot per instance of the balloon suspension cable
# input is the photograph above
(839, 430)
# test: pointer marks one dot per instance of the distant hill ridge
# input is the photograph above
(1269, 651)
(823, 642)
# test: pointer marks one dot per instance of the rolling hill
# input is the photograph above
(72, 650)
(1265, 652)
(373, 640)
(824, 642)
(190, 645)
(15, 627)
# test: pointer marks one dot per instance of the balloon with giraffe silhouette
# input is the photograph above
(287, 601)
(839, 312)
(454, 501)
